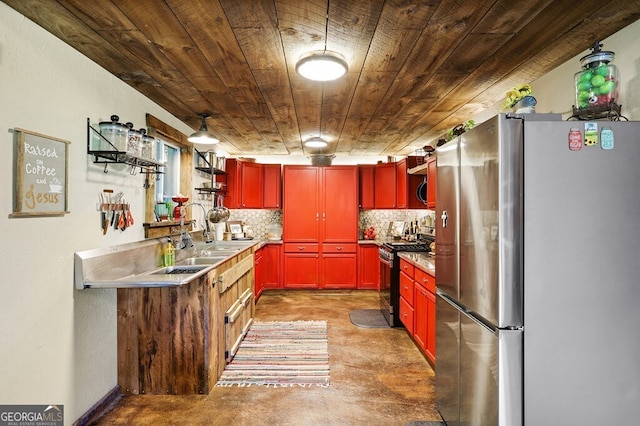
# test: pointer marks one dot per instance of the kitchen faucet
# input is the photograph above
(185, 238)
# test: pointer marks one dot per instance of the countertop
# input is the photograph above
(424, 261)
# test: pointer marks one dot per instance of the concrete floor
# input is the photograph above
(378, 377)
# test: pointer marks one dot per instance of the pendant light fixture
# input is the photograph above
(202, 136)
(322, 65)
(315, 142)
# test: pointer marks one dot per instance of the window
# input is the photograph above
(174, 150)
(167, 183)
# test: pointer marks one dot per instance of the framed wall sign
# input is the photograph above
(40, 175)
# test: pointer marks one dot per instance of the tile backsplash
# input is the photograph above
(258, 220)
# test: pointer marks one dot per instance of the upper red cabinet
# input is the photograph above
(431, 182)
(411, 188)
(339, 204)
(301, 208)
(366, 186)
(252, 185)
(320, 204)
(272, 185)
(252, 178)
(386, 186)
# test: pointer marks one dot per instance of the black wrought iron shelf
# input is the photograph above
(115, 156)
(611, 111)
(209, 168)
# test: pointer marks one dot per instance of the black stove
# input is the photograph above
(407, 246)
(390, 275)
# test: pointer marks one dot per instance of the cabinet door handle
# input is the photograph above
(301, 248)
(317, 216)
(338, 248)
(324, 216)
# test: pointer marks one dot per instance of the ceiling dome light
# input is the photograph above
(321, 66)
(203, 136)
(315, 142)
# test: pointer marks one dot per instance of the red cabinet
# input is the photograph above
(408, 185)
(431, 183)
(272, 192)
(251, 188)
(271, 266)
(368, 267)
(339, 204)
(234, 183)
(420, 316)
(301, 207)
(253, 185)
(402, 181)
(258, 271)
(366, 186)
(320, 212)
(406, 315)
(301, 265)
(338, 266)
(386, 186)
(418, 307)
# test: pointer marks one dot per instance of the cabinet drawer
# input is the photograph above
(406, 267)
(426, 280)
(406, 287)
(301, 248)
(406, 315)
(338, 248)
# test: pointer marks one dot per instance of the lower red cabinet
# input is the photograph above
(420, 311)
(406, 314)
(306, 267)
(368, 267)
(418, 307)
(301, 265)
(271, 255)
(339, 270)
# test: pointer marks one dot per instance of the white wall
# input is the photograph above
(58, 345)
(555, 91)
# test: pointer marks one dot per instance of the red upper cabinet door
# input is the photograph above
(232, 198)
(431, 183)
(272, 196)
(301, 207)
(366, 186)
(385, 186)
(402, 180)
(252, 185)
(339, 204)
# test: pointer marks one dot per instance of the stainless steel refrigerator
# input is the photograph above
(538, 274)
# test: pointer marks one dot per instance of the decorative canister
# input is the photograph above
(597, 84)
(115, 133)
(274, 231)
(134, 140)
(147, 146)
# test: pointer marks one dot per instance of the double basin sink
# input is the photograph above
(191, 268)
(131, 265)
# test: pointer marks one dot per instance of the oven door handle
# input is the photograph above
(386, 262)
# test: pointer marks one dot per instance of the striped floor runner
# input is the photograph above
(279, 354)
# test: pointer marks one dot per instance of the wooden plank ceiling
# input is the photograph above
(416, 67)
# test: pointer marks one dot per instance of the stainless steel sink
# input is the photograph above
(217, 252)
(182, 269)
(204, 260)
